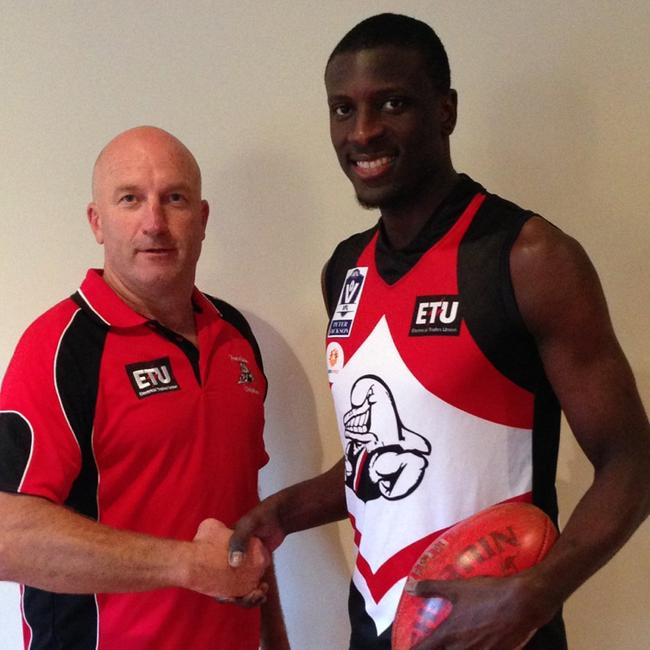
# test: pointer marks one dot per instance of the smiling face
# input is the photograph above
(148, 213)
(390, 128)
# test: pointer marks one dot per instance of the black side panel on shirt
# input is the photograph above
(364, 633)
(65, 621)
(546, 443)
(15, 449)
(550, 637)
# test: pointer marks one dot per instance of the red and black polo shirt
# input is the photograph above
(124, 421)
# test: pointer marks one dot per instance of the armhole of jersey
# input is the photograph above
(490, 308)
(508, 291)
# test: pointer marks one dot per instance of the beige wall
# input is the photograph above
(553, 114)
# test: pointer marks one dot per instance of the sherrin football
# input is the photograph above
(498, 541)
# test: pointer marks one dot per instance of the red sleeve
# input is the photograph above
(39, 454)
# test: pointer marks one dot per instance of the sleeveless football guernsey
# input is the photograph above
(440, 398)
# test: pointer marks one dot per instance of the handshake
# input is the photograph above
(209, 571)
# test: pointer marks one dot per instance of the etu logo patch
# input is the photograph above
(150, 377)
(436, 316)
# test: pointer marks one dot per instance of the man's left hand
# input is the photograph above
(487, 613)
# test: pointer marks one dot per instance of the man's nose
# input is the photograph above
(368, 126)
(155, 220)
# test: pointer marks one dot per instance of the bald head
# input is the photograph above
(148, 213)
(139, 142)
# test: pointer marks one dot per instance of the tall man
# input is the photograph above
(459, 325)
(131, 420)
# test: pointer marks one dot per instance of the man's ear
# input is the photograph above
(449, 112)
(205, 211)
(95, 222)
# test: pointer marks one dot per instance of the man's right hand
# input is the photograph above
(210, 572)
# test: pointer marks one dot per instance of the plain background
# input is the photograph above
(553, 114)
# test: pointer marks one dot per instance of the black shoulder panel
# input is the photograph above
(489, 305)
(77, 378)
(344, 257)
(15, 449)
(239, 322)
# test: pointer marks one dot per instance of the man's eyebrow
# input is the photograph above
(128, 188)
(185, 187)
(125, 189)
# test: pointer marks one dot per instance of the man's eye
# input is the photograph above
(394, 105)
(128, 198)
(176, 197)
(341, 110)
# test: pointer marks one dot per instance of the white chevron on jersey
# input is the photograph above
(473, 463)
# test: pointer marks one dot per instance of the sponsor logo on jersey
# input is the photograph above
(335, 358)
(436, 316)
(346, 308)
(151, 377)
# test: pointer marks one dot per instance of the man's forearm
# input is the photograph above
(609, 512)
(317, 501)
(47, 546)
(274, 633)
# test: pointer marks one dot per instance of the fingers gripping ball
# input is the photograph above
(498, 541)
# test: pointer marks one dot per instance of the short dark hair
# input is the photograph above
(401, 31)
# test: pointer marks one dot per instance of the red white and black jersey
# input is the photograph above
(440, 397)
(124, 421)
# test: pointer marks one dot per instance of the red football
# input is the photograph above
(498, 541)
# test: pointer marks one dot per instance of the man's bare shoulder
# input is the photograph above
(552, 276)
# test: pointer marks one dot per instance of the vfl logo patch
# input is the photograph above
(436, 316)
(346, 308)
(150, 377)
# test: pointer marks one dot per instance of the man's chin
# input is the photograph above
(370, 200)
(381, 201)
(367, 205)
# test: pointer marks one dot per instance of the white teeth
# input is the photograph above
(373, 164)
(357, 422)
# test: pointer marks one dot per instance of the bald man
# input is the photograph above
(131, 420)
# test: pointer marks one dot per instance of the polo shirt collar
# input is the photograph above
(106, 305)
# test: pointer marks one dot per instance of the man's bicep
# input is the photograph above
(562, 303)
